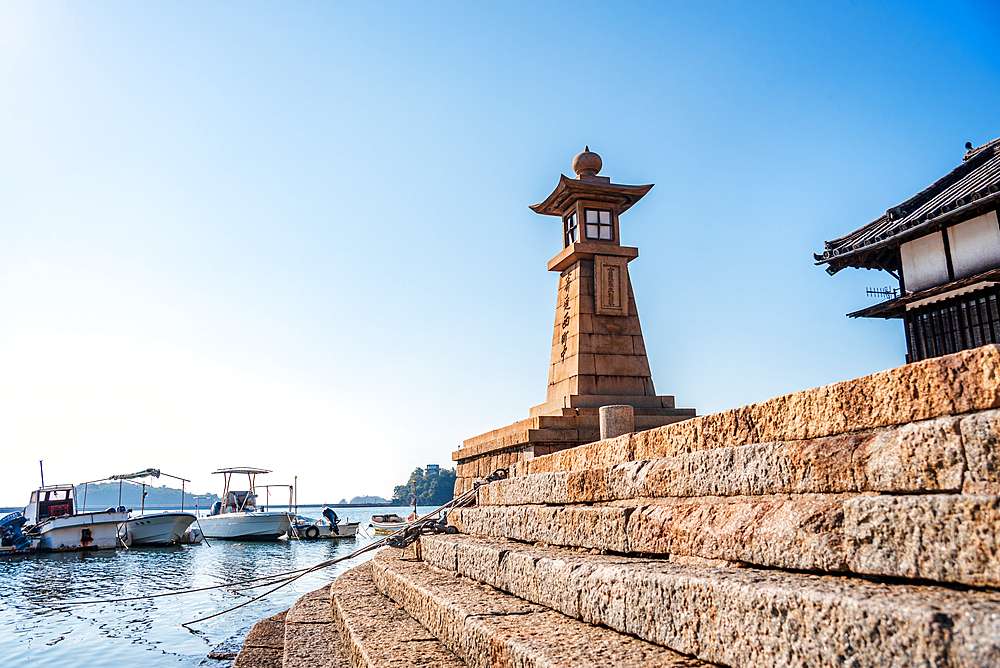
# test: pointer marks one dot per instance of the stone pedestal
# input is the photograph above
(616, 421)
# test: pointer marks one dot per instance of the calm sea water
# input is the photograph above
(36, 630)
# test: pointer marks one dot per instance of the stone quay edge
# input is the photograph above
(740, 617)
(949, 454)
(956, 384)
(945, 538)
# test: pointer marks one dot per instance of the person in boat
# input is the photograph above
(334, 520)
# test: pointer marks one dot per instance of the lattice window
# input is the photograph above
(960, 323)
(571, 230)
(599, 224)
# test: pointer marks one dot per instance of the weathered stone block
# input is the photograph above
(799, 533)
(799, 467)
(981, 440)
(313, 607)
(946, 538)
(610, 345)
(268, 632)
(914, 457)
(621, 365)
(598, 527)
(545, 488)
(918, 457)
(311, 645)
(620, 385)
(258, 657)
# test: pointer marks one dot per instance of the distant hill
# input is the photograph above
(433, 488)
(105, 495)
(368, 499)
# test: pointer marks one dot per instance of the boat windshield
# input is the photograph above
(238, 501)
(55, 503)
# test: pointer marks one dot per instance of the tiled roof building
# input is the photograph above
(943, 245)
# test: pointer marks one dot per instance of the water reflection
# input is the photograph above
(148, 631)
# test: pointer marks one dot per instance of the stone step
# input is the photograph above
(311, 638)
(949, 454)
(376, 632)
(941, 537)
(264, 644)
(730, 616)
(964, 382)
(490, 629)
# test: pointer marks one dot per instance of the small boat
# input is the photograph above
(236, 517)
(391, 523)
(153, 528)
(386, 524)
(51, 520)
(12, 539)
(305, 528)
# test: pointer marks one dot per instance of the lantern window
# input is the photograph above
(599, 224)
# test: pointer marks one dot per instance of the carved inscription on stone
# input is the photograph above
(612, 290)
(567, 279)
(610, 285)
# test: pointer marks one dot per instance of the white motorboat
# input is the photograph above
(52, 521)
(306, 528)
(153, 528)
(156, 528)
(236, 517)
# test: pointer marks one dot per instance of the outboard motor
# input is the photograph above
(217, 507)
(332, 517)
(192, 536)
(10, 530)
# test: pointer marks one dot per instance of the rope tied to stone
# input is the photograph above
(411, 534)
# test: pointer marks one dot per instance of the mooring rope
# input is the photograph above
(286, 582)
(400, 538)
(175, 592)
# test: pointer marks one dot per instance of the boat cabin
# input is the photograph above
(236, 501)
(51, 501)
(943, 247)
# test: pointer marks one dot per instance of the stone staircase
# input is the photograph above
(856, 524)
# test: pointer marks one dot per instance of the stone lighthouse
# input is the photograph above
(598, 355)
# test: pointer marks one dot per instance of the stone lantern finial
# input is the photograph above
(586, 164)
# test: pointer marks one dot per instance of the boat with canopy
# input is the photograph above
(157, 528)
(236, 517)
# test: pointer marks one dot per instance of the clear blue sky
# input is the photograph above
(296, 235)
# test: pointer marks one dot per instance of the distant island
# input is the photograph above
(101, 495)
(364, 500)
(433, 487)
